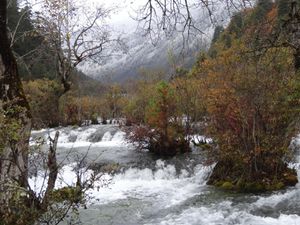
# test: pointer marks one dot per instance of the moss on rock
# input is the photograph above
(229, 175)
(227, 185)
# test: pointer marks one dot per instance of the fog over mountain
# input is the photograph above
(141, 52)
(144, 54)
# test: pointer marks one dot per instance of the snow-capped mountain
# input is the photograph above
(167, 52)
(143, 54)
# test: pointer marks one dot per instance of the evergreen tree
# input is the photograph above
(236, 25)
(283, 8)
(12, 14)
(34, 60)
(261, 9)
(218, 31)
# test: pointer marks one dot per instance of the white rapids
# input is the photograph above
(162, 193)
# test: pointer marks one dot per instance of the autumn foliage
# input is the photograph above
(252, 105)
(162, 130)
(245, 93)
(252, 102)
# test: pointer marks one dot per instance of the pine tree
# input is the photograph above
(218, 31)
(261, 9)
(39, 63)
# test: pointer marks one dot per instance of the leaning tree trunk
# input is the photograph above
(17, 119)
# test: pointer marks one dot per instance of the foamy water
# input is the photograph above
(82, 137)
(163, 194)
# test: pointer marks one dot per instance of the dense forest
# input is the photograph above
(243, 94)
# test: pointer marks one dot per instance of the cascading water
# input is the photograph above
(149, 191)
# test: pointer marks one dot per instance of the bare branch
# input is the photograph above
(168, 16)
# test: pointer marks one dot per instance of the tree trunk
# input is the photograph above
(53, 170)
(14, 106)
(297, 59)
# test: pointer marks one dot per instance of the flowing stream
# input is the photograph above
(140, 189)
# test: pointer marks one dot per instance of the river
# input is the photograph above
(144, 190)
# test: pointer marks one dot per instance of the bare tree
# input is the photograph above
(75, 34)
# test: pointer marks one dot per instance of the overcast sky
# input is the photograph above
(121, 18)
